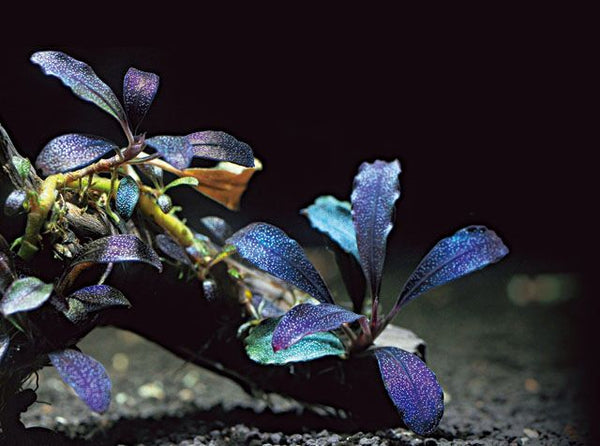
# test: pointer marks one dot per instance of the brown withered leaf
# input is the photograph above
(225, 183)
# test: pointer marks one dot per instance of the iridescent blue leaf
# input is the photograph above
(259, 349)
(270, 249)
(305, 319)
(81, 79)
(376, 189)
(25, 294)
(14, 202)
(220, 146)
(218, 228)
(117, 248)
(139, 89)
(334, 217)
(86, 376)
(468, 250)
(413, 388)
(176, 150)
(171, 248)
(93, 298)
(4, 344)
(72, 151)
(128, 194)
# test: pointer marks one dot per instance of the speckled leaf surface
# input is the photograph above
(413, 388)
(376, 189)
(86, 376)
(4, 344)
(218, 228)
(175, 150)
(468, 250)
(93, 298)
(172, 249)
(270, 249)
(334, 217)
(14, 202)
(153, 173)
(139, 89)
(80, 78)
(72, 151)
(128, 194)
(183, 181)
(259, 349)
(117, 248)
(306, 319)
(221, 146)
(25, 294)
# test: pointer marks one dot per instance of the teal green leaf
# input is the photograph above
(334, 217)
(128, 194)
(25, 294)
(80, 78)
(317, 345)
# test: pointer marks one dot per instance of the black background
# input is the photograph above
(491, 127)
(488, 130)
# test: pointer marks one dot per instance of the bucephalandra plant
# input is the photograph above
(102, 203)
(360, 228)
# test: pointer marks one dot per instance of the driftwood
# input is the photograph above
(173, 313)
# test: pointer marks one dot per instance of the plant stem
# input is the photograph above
(40, 205)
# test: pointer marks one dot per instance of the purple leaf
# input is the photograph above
(413, 388)
(139, 89)
(128, 194)
(305, 319)
(14, 202)
(221, 146)
(468, 250)
(176, 150)
(270, 249)
(86, 376)
(117, 248)
(376, 189)
(81, 79)
(72, 151)
(25, 294)
(171, 248)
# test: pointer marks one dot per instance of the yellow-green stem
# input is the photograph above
(40, 205)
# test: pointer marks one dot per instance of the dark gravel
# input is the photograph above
(510, 373)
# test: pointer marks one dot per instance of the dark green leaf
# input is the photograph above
(25, 294)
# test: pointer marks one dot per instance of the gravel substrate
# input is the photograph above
(509, 372)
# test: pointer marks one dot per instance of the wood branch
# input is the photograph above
(174, 314)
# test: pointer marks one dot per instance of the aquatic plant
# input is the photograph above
(102, 203)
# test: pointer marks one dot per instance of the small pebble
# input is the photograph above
(531, 433)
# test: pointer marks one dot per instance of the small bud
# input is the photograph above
(164, 203)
